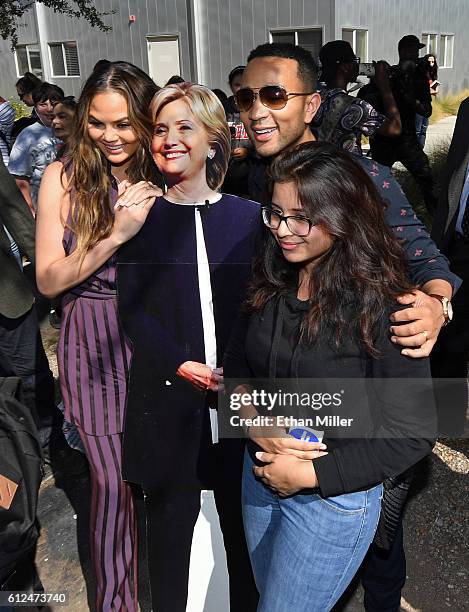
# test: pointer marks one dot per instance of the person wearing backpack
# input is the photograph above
(20, 479)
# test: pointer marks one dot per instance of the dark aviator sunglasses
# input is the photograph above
(274, 97)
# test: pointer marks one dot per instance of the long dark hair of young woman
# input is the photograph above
(365, 263)
(431, 71)
(90, 177)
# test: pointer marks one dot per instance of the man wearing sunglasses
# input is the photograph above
(277, 103)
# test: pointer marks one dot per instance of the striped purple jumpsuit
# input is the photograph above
(93, 358)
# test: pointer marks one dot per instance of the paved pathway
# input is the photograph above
(436, 531)
(439, 132)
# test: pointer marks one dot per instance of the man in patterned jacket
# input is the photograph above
(277, 102)
(343, 119)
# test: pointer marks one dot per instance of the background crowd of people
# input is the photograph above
(183, 236)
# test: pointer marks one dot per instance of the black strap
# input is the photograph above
(10, 385)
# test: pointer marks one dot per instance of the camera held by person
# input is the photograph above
(411, 92)
(343, 119)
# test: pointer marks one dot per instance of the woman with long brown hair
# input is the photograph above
(322, 292)
(81, 224)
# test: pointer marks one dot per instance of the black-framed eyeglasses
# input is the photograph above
(274, 97)
(298, 225)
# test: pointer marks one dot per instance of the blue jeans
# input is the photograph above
(421, 125)
(304, 549)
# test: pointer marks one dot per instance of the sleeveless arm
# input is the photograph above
(55, 270)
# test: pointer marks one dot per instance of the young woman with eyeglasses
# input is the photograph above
(322, 291)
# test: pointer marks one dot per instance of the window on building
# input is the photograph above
(431, 43)
(446, 51)
(28, 59)
(358, 40)
(64, 59)
(311, 40)
(284, 37)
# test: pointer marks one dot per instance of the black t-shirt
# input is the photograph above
(266, 346)
(407, 86)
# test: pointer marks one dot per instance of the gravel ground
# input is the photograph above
(437, 531)
(436, 528)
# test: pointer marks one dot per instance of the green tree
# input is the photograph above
(12, 10)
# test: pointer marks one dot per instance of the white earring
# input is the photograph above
(211, 154)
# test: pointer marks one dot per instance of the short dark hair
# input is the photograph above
(28, 82)
(234, 73)
(221, 95)
(307, 69)
(70, 103)
(47, 91)
(101, 64)
(175, 80)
